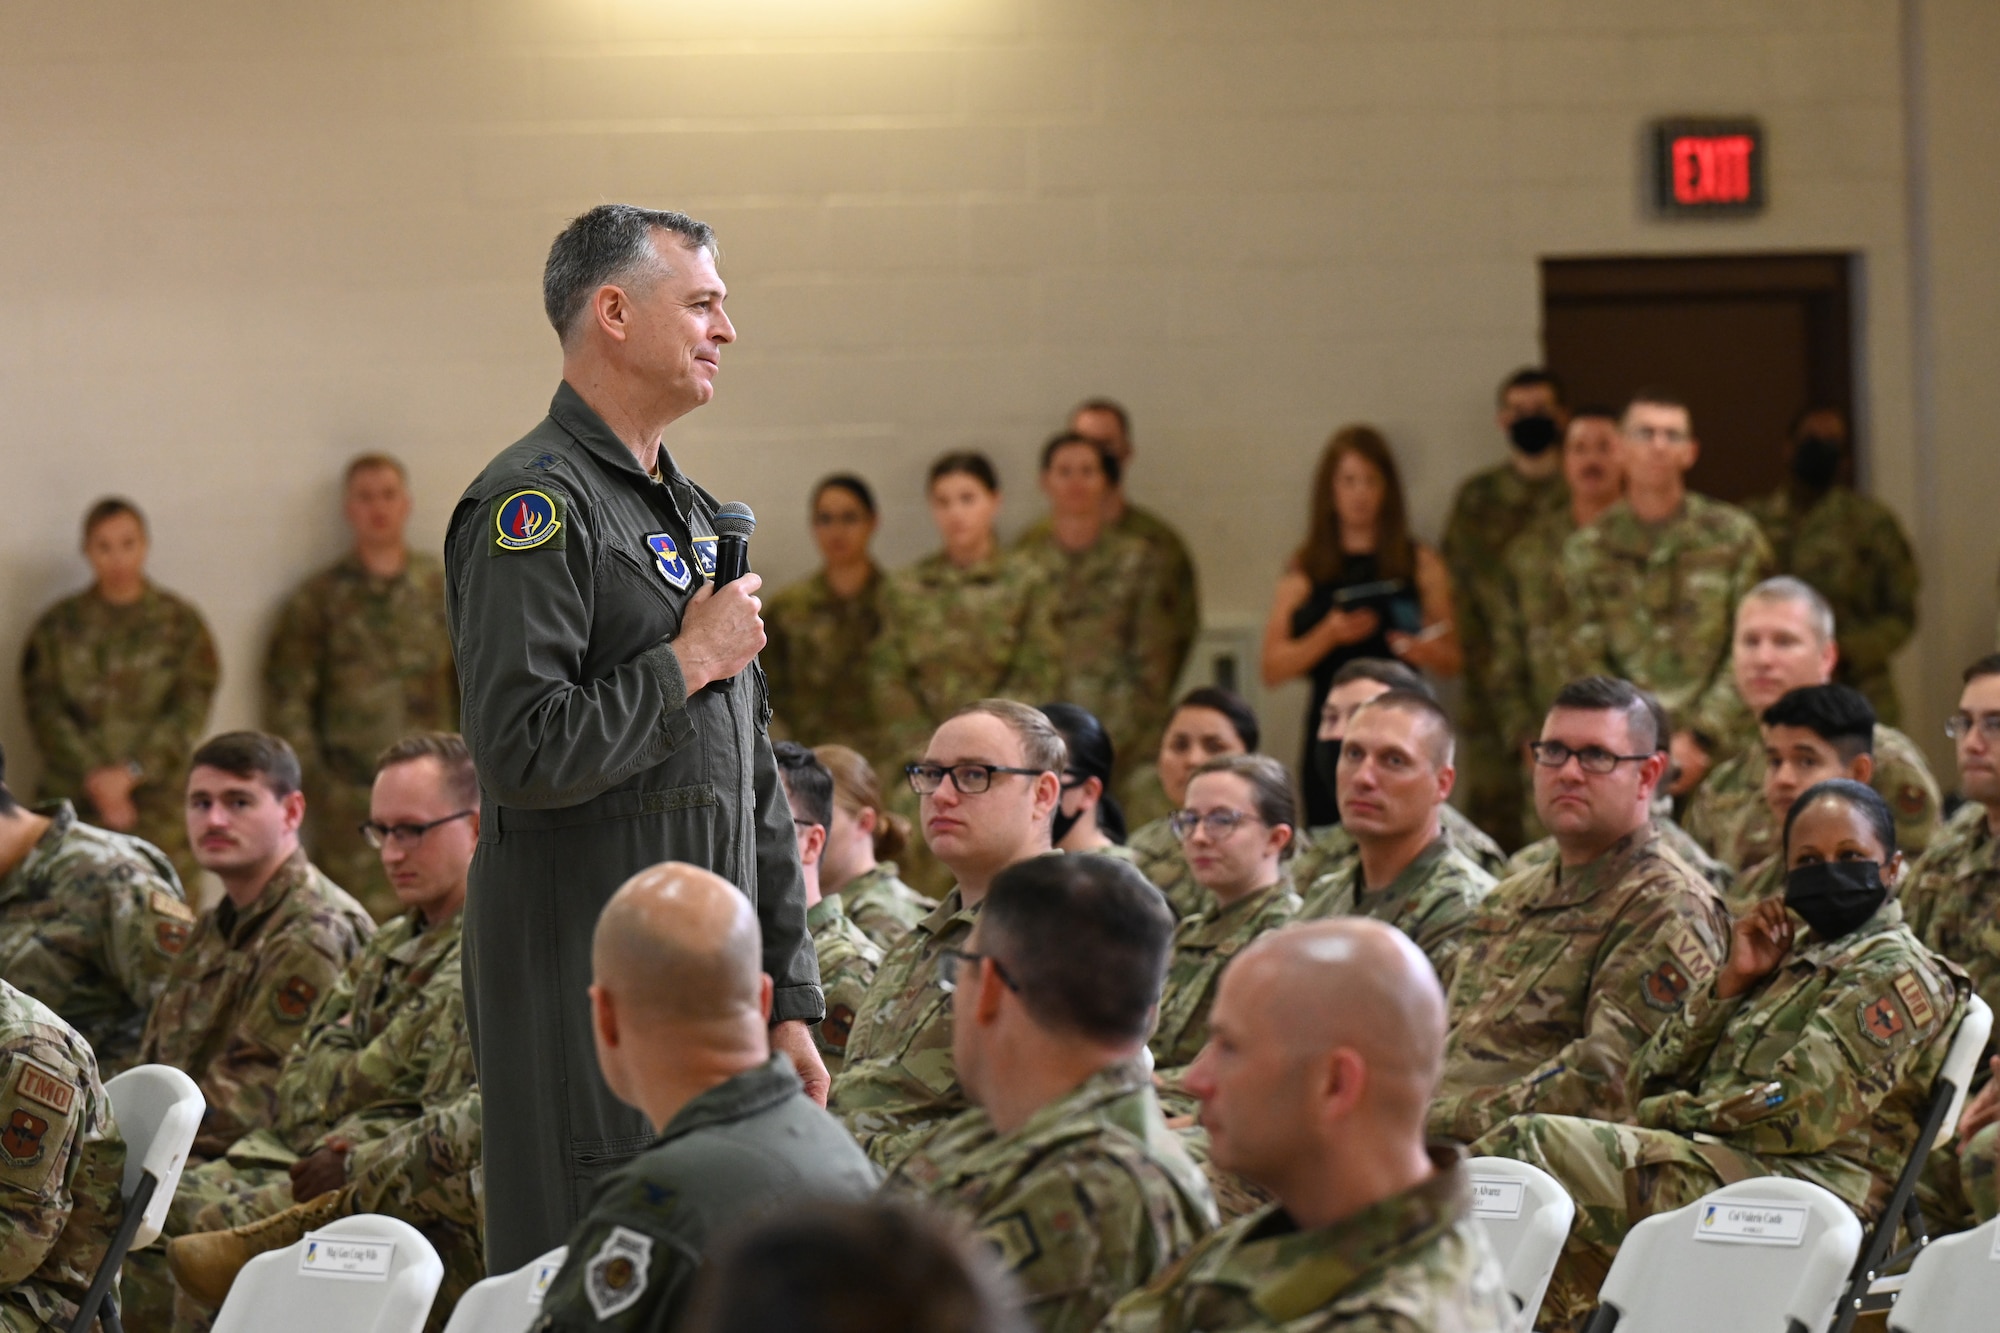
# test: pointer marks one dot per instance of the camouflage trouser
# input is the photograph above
(1960, 1187)
(147, 1289)
(1617, 1175)
(335, 812)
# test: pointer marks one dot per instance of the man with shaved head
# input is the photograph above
(1395, 774)
(1324, 1047)
(680, 1008)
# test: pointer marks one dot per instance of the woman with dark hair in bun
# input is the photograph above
(1088, 818)
(821, 630)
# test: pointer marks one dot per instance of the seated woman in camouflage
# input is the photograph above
(1810, 1055)
(862, 844)
(1088, 818)
(1206, 724)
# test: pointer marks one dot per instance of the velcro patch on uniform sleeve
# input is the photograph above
(1013, 1236)
(35, 1115)
(837, 1027)
(616, 1276)
(165, 904)
(170, 937)
(294, 1000)
(1880, 1020)
(1911, 799)
(527, 520)
(1697, 962)
(1911, 991)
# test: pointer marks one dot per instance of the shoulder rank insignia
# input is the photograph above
(616, 1277)
(526, 520)
(672, 565)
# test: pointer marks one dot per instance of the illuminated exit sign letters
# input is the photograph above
(1706, 168)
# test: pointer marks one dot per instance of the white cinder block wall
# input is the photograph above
(244, 241)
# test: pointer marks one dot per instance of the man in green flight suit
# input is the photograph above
(613, 706)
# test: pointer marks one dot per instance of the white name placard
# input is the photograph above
(544, 1274)
(349, 1258)
(1751, 1222)
(1497, 1197)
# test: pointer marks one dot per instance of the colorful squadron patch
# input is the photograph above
(616, 1278)
(1881, 1021)
(704, 556)
(170, 938)
(1665, 987)
(837, 1027)
(525, 520)
(673, 566)
(294, 999)
(21, 1139)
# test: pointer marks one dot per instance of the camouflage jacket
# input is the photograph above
(1727, 814)
(1563, 974)
(1545, 853)
(900, 1080)
(1854, 552)
(1754, 885)
(1531, 628)
(1326, 850)
(882, 905)
(1416, 1262)
(1492, 508)
(359, 662)
(847, 963)
(1431, 901)
(1088, 1200)
(1203, 945)
(1952, 899)
(61, 1166)
(816, 659)
(239, 996)
(1657, 605)
(426, 1169)
(1822, 1070)
(1160, 858)
(90, 925)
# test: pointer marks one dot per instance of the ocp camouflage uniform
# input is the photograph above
(1430, 901)
(816, 655)
(1852, 550)
(108, 685)
(1753, 886)
(1491, 511)
(1545, 853)
(900, 1080)
(1203, 945)
(847, 963)
(1529, 663)
(1563, 974)
(1088, 1200)
(61, 1164)
(1332, 848)
(1821, 1071)
(882, 905)
(1657, 606)
(1728, 816)
(356, 664)
(1158, 853)
(90, 924)
(1417, 1262)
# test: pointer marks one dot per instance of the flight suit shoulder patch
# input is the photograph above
(615, 1278)
(528, 520)
(35, 1115)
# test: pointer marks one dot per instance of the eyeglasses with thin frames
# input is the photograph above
(405, 836)
(1219, 824)
(1959, 725)
(1591, 758)
(952, 963)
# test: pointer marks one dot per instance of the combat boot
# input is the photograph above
(205, 1263)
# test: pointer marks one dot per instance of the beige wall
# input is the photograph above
(247, 240)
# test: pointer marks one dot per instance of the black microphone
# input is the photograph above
(733, 525)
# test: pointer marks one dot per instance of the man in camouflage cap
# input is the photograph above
(61, 1162)
(90, 922)
(1785, 641)
(1566, 970)
(1326, 1044)
(359, 660)
(989, 787)
(1066, 1165)
(1654, 583)
(847, 957)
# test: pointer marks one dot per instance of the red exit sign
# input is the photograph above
(1708, 167)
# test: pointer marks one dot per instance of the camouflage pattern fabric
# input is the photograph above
(1753, 886)
(1087, 1201)
(882, 905)
(1161, 858)
(1677, 840)
(815, 660)
(1979, 1167)
(847, 963)
(1656, 605)
(1431, 901)
(1531, 632)
(1853, 551)
(90, 924)
(109, 685)
(1326, 850)
(1952, 899)
(1416, 1262)
(61, 1163)
(1203, 945)
(1563, 974)
(1728, 816)
(356, 664)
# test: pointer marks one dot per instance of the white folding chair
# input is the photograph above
(1526, 1213)
(365, 1274)
(510, 1302)
(1768, 1255)
(1954, 1287)
(158, 1110)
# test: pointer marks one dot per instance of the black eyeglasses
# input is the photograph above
(405, 836)
(952, 961)
(1591, 758)
(970, 779)
(1219, 823)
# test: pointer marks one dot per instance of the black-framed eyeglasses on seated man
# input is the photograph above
(1591, 758)
(1959, 725)
(970, 779)
(405, 836)
(1219, 823)
(952, 961)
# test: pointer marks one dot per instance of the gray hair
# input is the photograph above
(612, 243)
(1785, 588)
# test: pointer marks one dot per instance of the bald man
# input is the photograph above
(680, 1009)
(1325, 1044)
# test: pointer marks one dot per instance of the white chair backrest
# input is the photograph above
(1526, 1213)
(159, 1111)
(1954, 1286)
(1962, 1060)
(1744, 1259)
(366, 1274)
(510, 1302)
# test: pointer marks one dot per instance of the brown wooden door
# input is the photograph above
(1748, 340)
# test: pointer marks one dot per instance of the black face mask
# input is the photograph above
(1534, 434)
(1836, 897)
(1816, 460)
(1326, 763)
(1062, 824)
